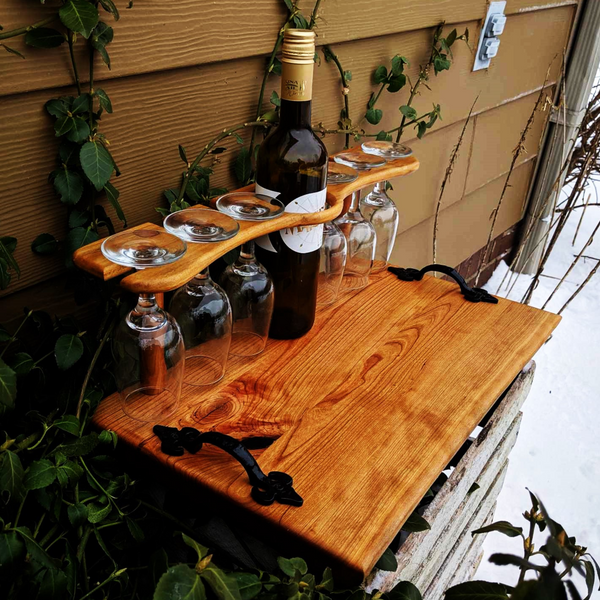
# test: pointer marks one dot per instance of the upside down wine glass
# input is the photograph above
(335, 248)
(360, 233)
(246, 282)
(378, 208)
(201, 307)
(147, 345)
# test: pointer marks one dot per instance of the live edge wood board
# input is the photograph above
(365, 410)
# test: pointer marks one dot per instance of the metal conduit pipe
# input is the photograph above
(581, 70)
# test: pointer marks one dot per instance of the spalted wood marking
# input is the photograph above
(366, 410)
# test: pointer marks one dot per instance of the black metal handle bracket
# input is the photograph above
(471, 294)
(266, 489)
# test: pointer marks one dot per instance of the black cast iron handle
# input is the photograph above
(266, 489)
(471, 294)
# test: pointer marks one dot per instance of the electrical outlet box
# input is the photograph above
(489, 42)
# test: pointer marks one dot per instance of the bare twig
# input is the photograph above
(519, 149)
(580, 218)
(576, 292)
(449, 169)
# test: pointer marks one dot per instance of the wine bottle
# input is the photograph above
(292, 166)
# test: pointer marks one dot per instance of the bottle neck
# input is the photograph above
(296, 95)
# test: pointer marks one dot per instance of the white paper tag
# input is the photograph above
(303, 239)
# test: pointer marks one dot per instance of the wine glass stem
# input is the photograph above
(380, 187)
(247, 250)
(203, 275)
(354, 202)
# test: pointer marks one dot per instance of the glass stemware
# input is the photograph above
(246, 282)
(201, 307)
(360, 233)
(147, 345)
(378, 207)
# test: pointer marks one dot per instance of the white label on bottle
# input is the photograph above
(302, 239)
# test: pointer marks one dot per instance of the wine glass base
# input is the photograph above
(202, 370)
(379, 266)
(150, 404)
(351, 282)
(246, 343)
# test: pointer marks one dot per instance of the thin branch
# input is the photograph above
(592, 273)
(70, 41)
(314, 15)
(520, 149)
(580, 218)
(21, 30)
(449, 169)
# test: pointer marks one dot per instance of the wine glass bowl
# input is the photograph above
(142, 248)
(248, 206)
(359, 161)
(201, 225)
(387, 150)
(332, 263)
(338, 173)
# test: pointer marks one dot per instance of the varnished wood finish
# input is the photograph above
(199, 256)
(365, 410)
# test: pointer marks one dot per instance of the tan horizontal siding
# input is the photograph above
(155, 35)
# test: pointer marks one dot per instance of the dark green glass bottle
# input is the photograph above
(292, 166)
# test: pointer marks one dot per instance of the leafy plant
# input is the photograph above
(550, 583)
(8, 264)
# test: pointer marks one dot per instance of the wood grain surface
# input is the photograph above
(155, 36)
(156, 111)
(365, 410)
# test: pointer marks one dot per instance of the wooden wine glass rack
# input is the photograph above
(199, 256)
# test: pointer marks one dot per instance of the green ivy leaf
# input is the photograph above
(44, 37)
(40, 474)
(8, 386)
(79, 16)
(374, 115)
(387, 561)
(5, 276)
(79, 131)
(9, 243)
(408, 111)
(56, 108)
(136, 531)
(348, 75)
(398, 63)
(12, 551)
(276, 67)
(68, 350)
(451, 38)
(98, 512)
(501, 526)
(440, 63)
(96, 163)
(112, 195)
(290, 565)
(243, 166)
(397, 82)
(415, 523)
(404, 590)
(249, 585)
(380, 74)
(52, 584)
(81, 104)
(275, 100)
(7, 246)
(109, 6)
(68, 185)
(385, 136)
(104, 100)
(180, 583)
(101, 36)
(44, 244)
(79, 447)
(4, 335)
(201, 550)
(21, 363)
(63, 125)
(477, 590)
(421, 129)
(70, 471)
(224, 586)
(11, 476)
(68, 423)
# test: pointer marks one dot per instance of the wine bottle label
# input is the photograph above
(302, 239)
(296, 82)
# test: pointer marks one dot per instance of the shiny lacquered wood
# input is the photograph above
(365, 411)
(199, 256)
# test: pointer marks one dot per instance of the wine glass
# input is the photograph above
(246, 282)
(147, 345)
(378, 207)
(201, 307)
(334, 249)
(360, 233)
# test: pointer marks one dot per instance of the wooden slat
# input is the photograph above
(415, 554)
(372, 427)
(156, 36)
(153, 113)
(464, 226)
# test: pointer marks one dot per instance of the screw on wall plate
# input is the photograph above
(493, 26)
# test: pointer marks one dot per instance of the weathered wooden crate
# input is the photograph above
(448, 554)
